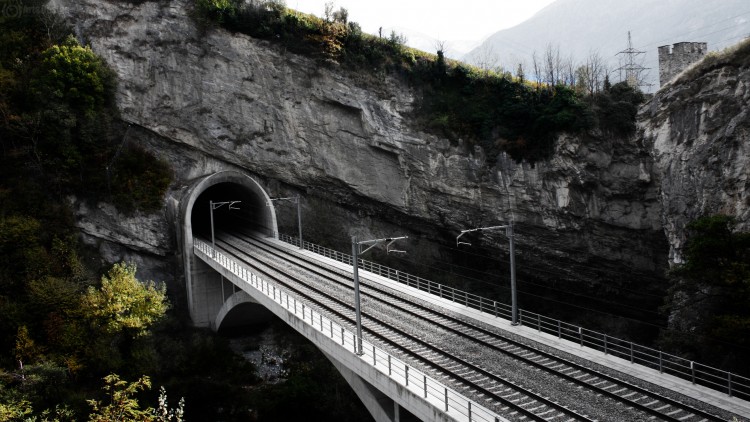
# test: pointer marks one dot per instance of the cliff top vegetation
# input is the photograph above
(737, 55)
(498, 111)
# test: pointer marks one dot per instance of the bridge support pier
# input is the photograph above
(204, 292)
(381, 407)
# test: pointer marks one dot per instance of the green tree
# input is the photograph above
(26, 349)
(139, 181)
(123, 304)
(219, 11)
(68, 119)
(123, 406)
(114, 321)
(73, 74)
(16, 410)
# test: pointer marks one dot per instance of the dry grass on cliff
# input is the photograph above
(737, 55)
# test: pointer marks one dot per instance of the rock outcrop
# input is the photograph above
(698, 127)
(217, 100)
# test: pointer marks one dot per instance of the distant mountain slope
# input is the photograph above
(581, 26)
(455, 49)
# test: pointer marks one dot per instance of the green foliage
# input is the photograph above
(711, 293)
(615, 108)
(26, 349)
(124, 304)
(34, 387)
(496, 112)
(58, 120)
(219, 11)
(715, 253)
(13, 411)
(121, 404)
(72, 74)
(19, 243)
(737, 55)
(139, 180)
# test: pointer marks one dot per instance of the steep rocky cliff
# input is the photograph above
(698, 127)
(208, 100)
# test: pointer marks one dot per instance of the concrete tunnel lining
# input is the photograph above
(203, 285)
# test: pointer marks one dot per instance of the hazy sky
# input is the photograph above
(440, 19)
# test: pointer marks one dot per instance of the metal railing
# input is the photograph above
(418, 382)
(697, 373)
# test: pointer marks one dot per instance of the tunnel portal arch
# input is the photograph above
(205, 289)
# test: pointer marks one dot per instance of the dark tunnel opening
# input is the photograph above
(246, 214)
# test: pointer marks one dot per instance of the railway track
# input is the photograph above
(516, 399)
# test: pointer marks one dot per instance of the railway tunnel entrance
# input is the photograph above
(213, 301)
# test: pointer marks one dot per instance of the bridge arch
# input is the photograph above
(239, 310)
(206, 289)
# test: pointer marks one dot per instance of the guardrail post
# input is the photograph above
(559, 329)
(374, 360)
(342, 336)
(580, 335)
(389, 365)
(605, 344)
(692, 371)
(539, 322)
(729, 384)
(661, 367)
(446, 399)
(495, 306)
(631, 352)
(469, 411)
(425, 386)
(406, 372)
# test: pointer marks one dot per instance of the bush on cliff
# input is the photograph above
(710, 295)
(59, 120)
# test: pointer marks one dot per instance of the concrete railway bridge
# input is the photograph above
(440, 353)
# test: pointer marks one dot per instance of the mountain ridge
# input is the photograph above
(606, 28)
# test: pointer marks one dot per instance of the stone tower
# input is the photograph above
(673, 59)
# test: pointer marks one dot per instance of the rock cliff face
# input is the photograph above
(212, 100)
(699, 129)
